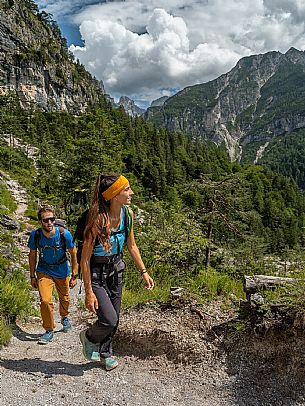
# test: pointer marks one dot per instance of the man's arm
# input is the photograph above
(32, 264)
(74, 265)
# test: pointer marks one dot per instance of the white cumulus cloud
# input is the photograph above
(145, 49)
(142, 66)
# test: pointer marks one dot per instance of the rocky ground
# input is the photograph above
(181, 354)
(166, 357)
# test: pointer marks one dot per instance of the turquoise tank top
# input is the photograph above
(117, 239)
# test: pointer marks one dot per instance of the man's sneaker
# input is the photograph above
(46, 338)
(66, 325)
(109, 363)
(90, 350)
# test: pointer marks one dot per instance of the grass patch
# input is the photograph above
(282, 299)
(4, 264)
(15, 297)
(31, 212)
(209, 284)
(6, 237)
(5, 332)
(158, 295)
(206, 285)
(7, 203)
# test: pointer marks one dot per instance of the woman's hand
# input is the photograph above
(149, 281)
(91, 302)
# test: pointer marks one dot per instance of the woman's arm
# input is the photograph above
(91, 300)
(136, 256)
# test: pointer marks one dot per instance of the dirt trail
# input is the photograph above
(167, 357)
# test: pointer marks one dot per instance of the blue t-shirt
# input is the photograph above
(117, 239)
(52, 252)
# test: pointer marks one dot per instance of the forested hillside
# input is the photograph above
(162, 166)
(195, 210)
(249, 110)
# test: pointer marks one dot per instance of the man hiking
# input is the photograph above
(52, 269)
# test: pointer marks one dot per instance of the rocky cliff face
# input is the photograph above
(130, 107)
(260, 98)
(159, 102)
(36, 64)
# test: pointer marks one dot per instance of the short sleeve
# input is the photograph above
(69, 239)
(31, 242)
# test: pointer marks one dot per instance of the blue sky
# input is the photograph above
(145, 49)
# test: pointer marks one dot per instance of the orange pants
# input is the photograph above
(45, 287)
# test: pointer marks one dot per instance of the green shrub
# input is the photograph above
(31, 211)
(5, 237)
(5, 332)
(6, 200)
(4, 264)
(283, 299)
(15, 297)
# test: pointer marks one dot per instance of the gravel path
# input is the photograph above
(58, 374)
(165, 359)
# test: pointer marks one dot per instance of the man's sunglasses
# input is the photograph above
(52, 219)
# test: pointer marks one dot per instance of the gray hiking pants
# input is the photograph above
(106, 280)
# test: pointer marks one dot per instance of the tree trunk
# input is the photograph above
(208, 249)
(254, 283)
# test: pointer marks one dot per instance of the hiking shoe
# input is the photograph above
(66, 325)
(109, 363)
(46, 338)
(90, 350)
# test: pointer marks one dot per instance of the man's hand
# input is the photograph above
(72, 282)
(34, 282)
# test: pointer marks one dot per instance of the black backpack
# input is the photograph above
(81, 225)
(77, 201)
(61, 224)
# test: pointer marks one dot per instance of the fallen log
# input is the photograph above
(254, 283)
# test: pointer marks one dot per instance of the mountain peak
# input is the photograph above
(293, 50)
(295, 56)
(159, 102)
(130, 107)
(242, 107)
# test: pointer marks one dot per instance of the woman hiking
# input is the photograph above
(102, 264)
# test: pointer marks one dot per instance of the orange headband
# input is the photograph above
(115, 188)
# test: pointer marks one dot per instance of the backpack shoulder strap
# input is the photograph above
(37, 238)
(62, 237)
(127, 222)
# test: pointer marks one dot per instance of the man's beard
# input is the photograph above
(46, 229)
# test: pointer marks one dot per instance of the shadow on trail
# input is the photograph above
(49, 368)
(22, 335)
(268, 368)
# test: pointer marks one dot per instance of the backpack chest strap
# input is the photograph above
(41, 248)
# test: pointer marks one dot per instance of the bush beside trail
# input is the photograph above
(15, 294)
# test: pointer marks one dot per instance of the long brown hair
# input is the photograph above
(98, 222)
